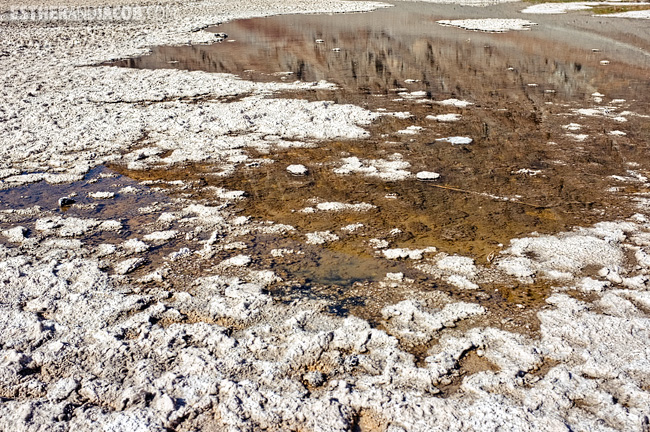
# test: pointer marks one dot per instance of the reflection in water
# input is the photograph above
(383, 49)
(524, 86)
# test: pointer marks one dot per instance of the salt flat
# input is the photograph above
(142, 308)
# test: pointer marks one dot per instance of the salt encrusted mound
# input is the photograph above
(492, 25)
(388, 170)
(415, 325)
(297, 169)
(16, 234)
(427, 176)
(565, 255)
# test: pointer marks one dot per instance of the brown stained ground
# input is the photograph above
(369, 421)
(468, 364)
(514, 126)
(524, 87)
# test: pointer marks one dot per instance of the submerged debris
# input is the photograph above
(66, 201)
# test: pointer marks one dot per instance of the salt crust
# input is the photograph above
(74, 118)
(260, 364)
(403, 253)
(561, 8)
(491, 25)
(82, 351)
(333, 206)
(388, 170)
(321, 237)
(444, 117)
(642, 14)
(456, 140)
(455, 103)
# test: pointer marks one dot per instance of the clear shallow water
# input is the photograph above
(525, 170)
(382, 49)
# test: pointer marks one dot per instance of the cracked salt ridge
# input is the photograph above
(326, 370)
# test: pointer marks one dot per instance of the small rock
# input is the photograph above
(164, 404)
(396, 277)
(161, 236)
(102, 195)
(16, 234)
(129, 265)
(427, 176)
(135, 246)
(182, 252)
(66, 201)
(314, 378)
(62, 389)
(237, 261)
(297, 169)
(220, 37)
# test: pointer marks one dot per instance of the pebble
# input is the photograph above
(297, 170)
(66, 201)
(427, 176)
